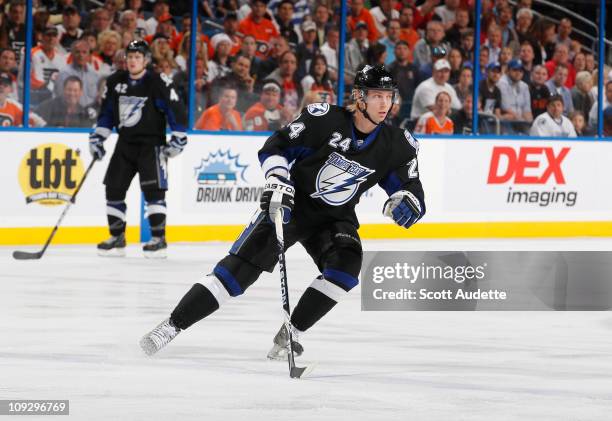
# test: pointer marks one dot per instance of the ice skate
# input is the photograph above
(281, 345)
(113, 247)
(159, 337)
(156, 248)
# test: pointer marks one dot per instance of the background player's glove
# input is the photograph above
(278, 195)
(96, 146)
(175, 146)
(403, 207)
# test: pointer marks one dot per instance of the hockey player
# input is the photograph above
(337, 154)
(138, 103)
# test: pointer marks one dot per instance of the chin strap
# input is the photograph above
(365, 110)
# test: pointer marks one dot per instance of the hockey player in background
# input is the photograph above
(337, 154)
(138, 103)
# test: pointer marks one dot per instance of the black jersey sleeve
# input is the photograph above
(106, 117)
(404, 174)
(167, 100)
(298, 139)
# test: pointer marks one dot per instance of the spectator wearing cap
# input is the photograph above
(393, 33)
(490, 95)
(47, 61)
(219, 65)
(437, 120)
(383, 13)
(581, 93)
(240, 77)
(424, 71)
(307, 48)
(553, 123)
(80, 67)
(404, 73)
(100, 21)
(433, 38)
(426, 92)
(223, 115)
(516, 100)
(65, 110)
(69, 30)
(358, 13)
(11, 111)
(356, 49)
(407, 31)
(284, 21)
(318, 79)
(258, 25)
(538, 90)
(561, 56)
(161, 8)
(8, 65)
(265, 115)
(607, 102)
(459, 27)
(557, 85)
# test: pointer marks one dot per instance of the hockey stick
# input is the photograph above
(25, 255)
(294, 372)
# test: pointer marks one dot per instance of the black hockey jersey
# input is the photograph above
(140, 109)
(332, 168)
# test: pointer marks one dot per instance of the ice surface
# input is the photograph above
(70, 325)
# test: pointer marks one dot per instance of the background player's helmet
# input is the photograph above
(138, 46)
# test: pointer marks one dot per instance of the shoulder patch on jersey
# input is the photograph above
(542, 122)
(413, 142)
(318, 109)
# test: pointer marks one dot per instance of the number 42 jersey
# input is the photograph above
(332, 165)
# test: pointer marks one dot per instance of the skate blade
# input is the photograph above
(279, 353)
(159, 254)
(116, 252)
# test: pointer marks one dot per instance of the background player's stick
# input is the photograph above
(24, 255)
(294, 372)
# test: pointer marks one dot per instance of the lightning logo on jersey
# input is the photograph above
(339, 179)
(130, 110)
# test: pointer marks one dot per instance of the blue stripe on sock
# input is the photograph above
(228, 281)
(346, 281)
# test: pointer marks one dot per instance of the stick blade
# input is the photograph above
(301, 372)
(24, 255)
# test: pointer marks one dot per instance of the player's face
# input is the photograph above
(136, 63)
(379, 103)
(555, 109)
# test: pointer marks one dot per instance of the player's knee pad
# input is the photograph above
(235, 275)
(341, 265)
(115, 195)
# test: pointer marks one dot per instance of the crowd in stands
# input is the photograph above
(259, 62)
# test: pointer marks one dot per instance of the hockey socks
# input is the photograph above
(198, 303)
(156, 213)
(115, 212)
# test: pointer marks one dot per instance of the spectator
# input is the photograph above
(358, 13)
(100, 21)
(321, 19)
(590, 63)
(524, 30)
(545, 37)
(464, 85)
(426, 92)
(407, 31)
(561, 56)
(447, 13)
(393, 33)
(490, 95)
(510, 37)
(182, 56)
(222, 116)
(462, 119)
(108, 42)
(92, 42)
(47, 61)
(265, 115)
(404, 73)
(65, 110)
(553, 123)
(516, 100)
(301, 10)
(69, 30)
(161, 50)
(356, 49)
(383, 14)
(526, 56)
(119, 61)
(307, 48)
(40, 21)
(556, 85)
(564, 30)
(538, 90)
(433, 38)
(286, 78)
(579, 123)
(318, 79)
(240, 78)
(258, 25)
(284, 21)
(128, 22)
(330, 51)
(494, 42)
(161, 8)
(607, 102)
(376, 54)
(15, 27)
(11, 111)
(8, 65)
(437, 121)
(165, 27)
(483, 61)
(467, 45)
(504, 58)
(424, 71)
(249, 48)
(579, 62)
(424, 13)
(456, 61)
(81, 68)
(459, 27)
(278, 46)
(581, 93)
(219, 65)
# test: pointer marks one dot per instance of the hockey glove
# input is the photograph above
(403, 207)
(175, 146)
(96, 146)
(278, 196)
